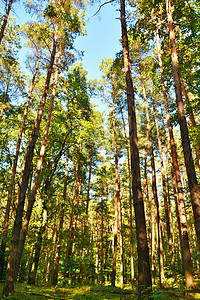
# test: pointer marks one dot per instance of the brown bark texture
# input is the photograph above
(144, 274)
(7, 213)
(154, 185)
(5, 20)
(10, 274)
(189, 163)
(186, 257)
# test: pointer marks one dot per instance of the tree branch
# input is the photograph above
(100, 7)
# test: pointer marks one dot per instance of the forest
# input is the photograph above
(100, 205)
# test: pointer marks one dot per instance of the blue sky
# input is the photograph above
(102, 39)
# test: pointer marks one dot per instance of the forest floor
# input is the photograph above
(29, 292)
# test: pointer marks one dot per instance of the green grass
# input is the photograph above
(26, 292)
(23, 292)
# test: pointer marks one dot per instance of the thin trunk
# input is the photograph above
(4, 101)
(102, 249)
(5, 20)
(38, 172)
(153, 242)
(97, 248)
(62, 212)
(9, 282)
(38, 246)
(173, 177)
(130, 202)
(7, 214)
(144, 274)
(88, 197)
(118, 215)
(53, 238)
(186, 256)
(72, 224)
(192, 120)
(154, 185)
(166, 203)
(189, 163)
(121, 244)
(106, 258)
(146, 193)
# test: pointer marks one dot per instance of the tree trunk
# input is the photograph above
(58, 249)
(192, 120)
(166, 203)
(9, 282)
(118, 214)
(189, 163)
(38, 246)
(144, 274)
(102, 248)
(130, 202)
(4, 101)
(7, 214)
(186, 257)
(97, 248)
(154, 185)
(5, 20)
(72, 224)
(88, 197)
(38, 171)
(146, 194)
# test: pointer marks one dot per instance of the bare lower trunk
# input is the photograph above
(72, 224)
(118, 214)
(38, 246)
(166, 203)
(9, 282)
(88, 197)
(58, 249)
(130, 202)
(154, 185)
(185, 252)
(144, 274)
(102, 249)
(189, 163)
(97, 248)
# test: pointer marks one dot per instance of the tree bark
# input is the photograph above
(166, 203)
(7, 214)
(118, 213)
(97, 247)
(130, 202)
(5, 20)
(4, 101)
(88, 197)
(72, 225)
(9, 282)
(192, 120)
(38, 171)
(58, 248)
(144, 274)
(154, 185)
(186, 257)
(189, 163)
(38, 246)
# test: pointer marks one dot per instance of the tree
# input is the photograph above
(144, 276)
(189, 163)
(5, 20)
